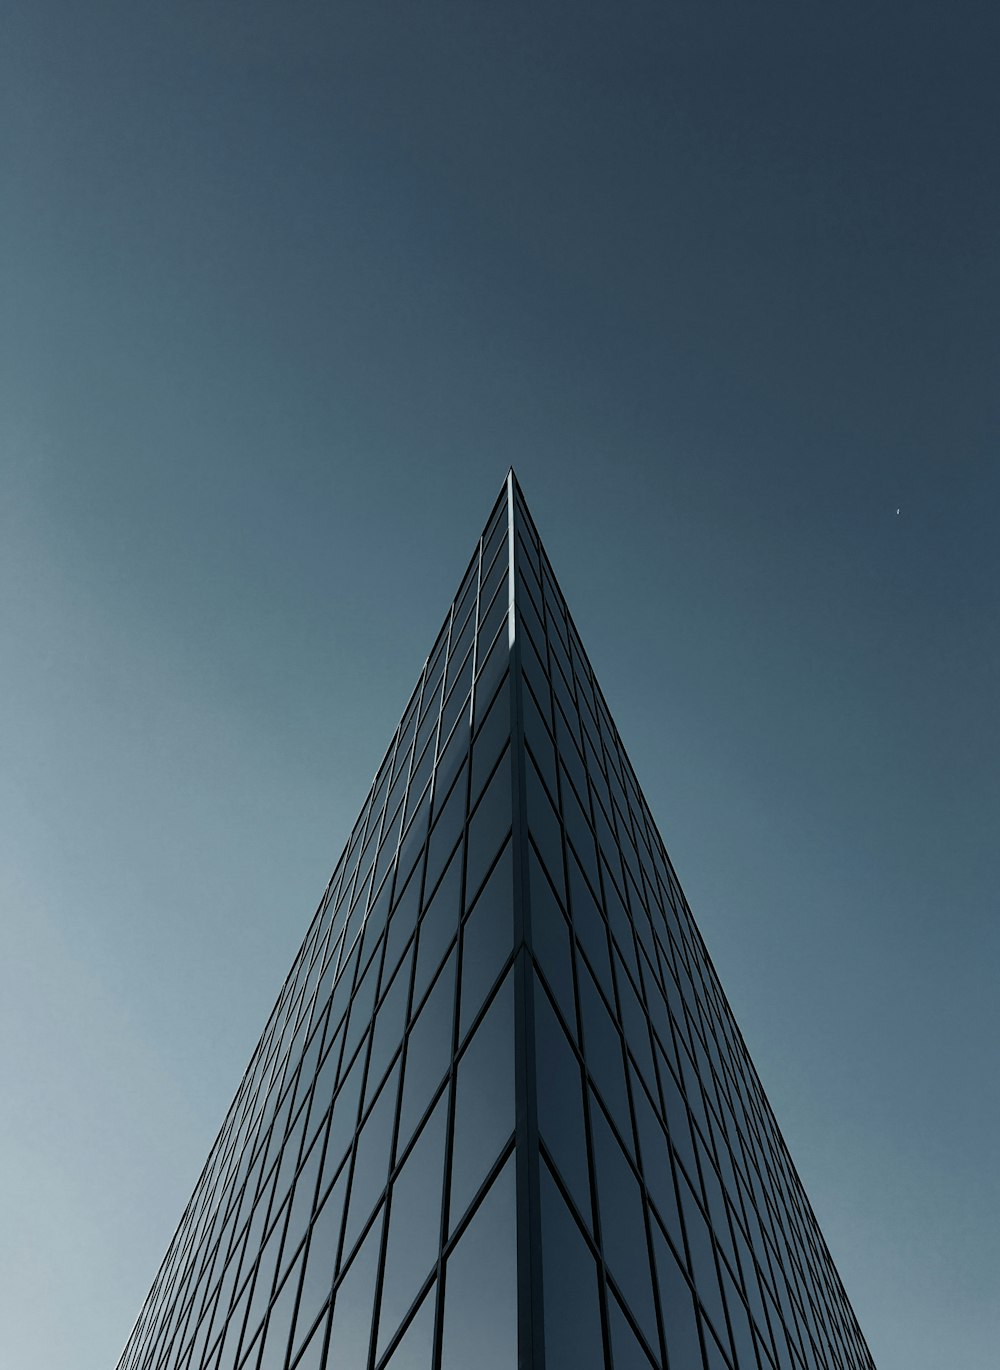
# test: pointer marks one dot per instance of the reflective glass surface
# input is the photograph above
(501, 1113)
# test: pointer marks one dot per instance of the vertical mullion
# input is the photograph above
(530, 1331)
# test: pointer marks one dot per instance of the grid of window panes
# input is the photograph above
(358, 1206)
(675, 1230)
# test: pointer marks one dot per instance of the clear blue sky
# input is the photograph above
(286, 289)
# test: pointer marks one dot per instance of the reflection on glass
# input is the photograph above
(351, 1330)
(680, 1322)
(486, 939)
(417, 1343)
(428, 1050)
(626, 1349)
(480, 1305)
(572, 1308)
(551, 940)
(321, 1256)
(371, 1160)
(560, 1102)
(623, 1232)
(490, 741)
(488, 827)
(438, 925)
(484, 1103)
(414, 1224)
(603, 1052)
(279, 1323)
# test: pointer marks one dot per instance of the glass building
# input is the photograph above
(501, 1115)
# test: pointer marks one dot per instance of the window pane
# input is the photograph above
(490, 741)
(488, 827)
(390, 1022)
(480, 1308)
(702, 1253)
(560, 1102)
(551, 941)
(416, 1348)
(279, 1324)
(371, 1161)
(590, 927)
(487, 938)
(603, 1052)
(656, 1168)
(542, 820)
(362, 1006)
(497, 656)
(623, 1232)
(352, 1310)
(438, 925)
(414, 1224)
(428, 1050)
(569, 1278)
(321, 1257)
(447, 831)
(626, 1350)
(403, 921)
(344, 1119)
(456, 749)
(302, 1199)
(680, 1323)
(484, 1107)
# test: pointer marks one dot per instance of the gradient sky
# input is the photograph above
(285, 291)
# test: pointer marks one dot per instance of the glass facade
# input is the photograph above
(501, 1114)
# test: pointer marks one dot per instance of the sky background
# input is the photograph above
(285, 291)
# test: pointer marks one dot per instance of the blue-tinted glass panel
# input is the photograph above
(390, 1020)
(488, 827)
(456, 749)
(428, 1050)
(416, 1345)
(656, 1167)
(497, 656)
(438, 925)
(626, 1349)
(550, 940)
(560, 1102)
(321, 1256)
(480, 1304)
(362, 1007)
(457, 703)
(279, 1323)
(308, 1342)
(702, 1254)
(414, 1223)
(590, 928)
(303, 1196)
(412, 844)
(484, 1101)
(543, 821)
(623, 1232)
(495, 614)
(572, 1308)
(487, 937)
(447, 831)
(603, 1053)
(351, 1329)
(344, 1118)
(371, 1161)
(403, 921)
(490, 741)
(532, 650)
(680, 1323)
